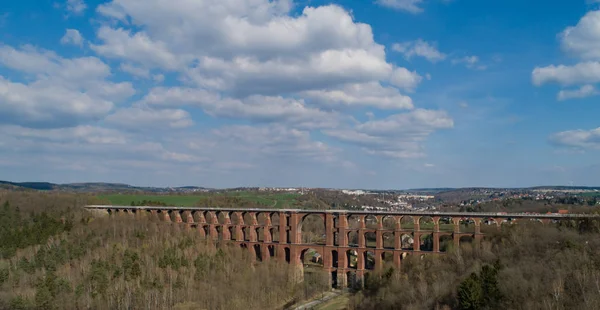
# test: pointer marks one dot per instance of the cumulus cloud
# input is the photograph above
(580, 41)
(582, 92)
(134, 70)
(64, 92)
(471, 62)
(360, 95)
(583, 72)
(76, 6)
(583, 39)
(579, 139)
(397, 136)
(411, 6)
(419, 48)
(138, 118)
(255, 107)
(72, 36)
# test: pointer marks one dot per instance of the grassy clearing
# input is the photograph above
(260, 199)
(336, 303)
(171, 200)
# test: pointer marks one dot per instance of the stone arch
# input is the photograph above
(446, 242)
(403, 256)
(271, 250)
(426, 223)
(489, 225)
(389, 222)
(353, 238)
(311, 257)
(369, 260)
(353, 221)
(370, 239)
(274, 230)
(466, 225)
(221, 216)
(248, 217)
(312, 229)
(274, 218)
(236, 218)
(445, 223)
(426, 242)
(246, 231)
(407, 241)
(334, 258)
(371, 221)
(209, 216)
(352, 279)
(260, 234)
(352, 259)
(388, 240)
(264, 218)
(407, 222)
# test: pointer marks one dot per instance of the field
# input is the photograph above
(260, 199)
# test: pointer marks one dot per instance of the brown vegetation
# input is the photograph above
(537, 268)
(129, 263)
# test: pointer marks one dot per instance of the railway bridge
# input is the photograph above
(351, 243)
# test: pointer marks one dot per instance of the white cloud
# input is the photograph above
(582, 92)
(579, 139)
(76, 6)
(580, 41)
(134, 70)
(583, 39)
(420, 48)
(364, 95)
(403, 78)
(471, 62)
(583, 72)
(256, 107)
(120, 43)
(137, 118)
(64, 92)
(397, 136)
(411, 6)
(72, 36)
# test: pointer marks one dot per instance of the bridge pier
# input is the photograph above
(290, 245)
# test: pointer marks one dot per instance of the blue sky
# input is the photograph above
(345, 94)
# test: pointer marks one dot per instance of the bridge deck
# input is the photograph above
(350, 212)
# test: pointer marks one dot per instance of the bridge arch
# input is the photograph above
(371, 221)
(389, 222)
(407, 222)
(312, 228)
(407, 241)
(388, 240)
(352, 238)
(426, 223)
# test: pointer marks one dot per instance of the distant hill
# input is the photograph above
(94, 187)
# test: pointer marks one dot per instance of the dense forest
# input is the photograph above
(522, 267)
(55, 255)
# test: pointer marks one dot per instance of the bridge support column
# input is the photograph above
(329, 229)
(178, 218)
(342, 279)
(379, 239)
(166, 216)
(342, 228)
(417, 241)
(283, 228)
(436, 241)
(397, 260)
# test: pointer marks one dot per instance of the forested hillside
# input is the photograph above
(57, 256)
(524, 267)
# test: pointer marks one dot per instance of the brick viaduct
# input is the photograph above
(277, 233)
